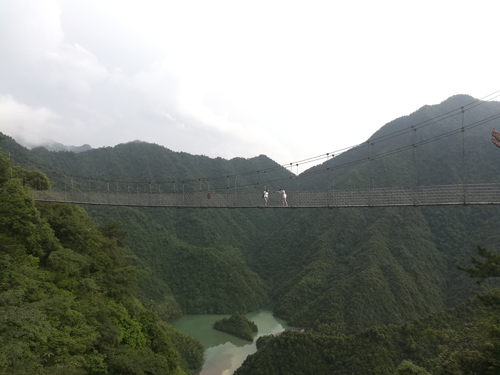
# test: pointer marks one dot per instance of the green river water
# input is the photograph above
(224, 353)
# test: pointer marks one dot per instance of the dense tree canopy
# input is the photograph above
(341, 271)
(464, 340)
(237, 325)
(68, 302)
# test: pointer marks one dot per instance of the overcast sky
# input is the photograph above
(288, 79)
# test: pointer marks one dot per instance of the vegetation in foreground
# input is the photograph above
(68, 296)
(237, 325)
(351, 270)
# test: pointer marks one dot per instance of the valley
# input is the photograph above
(378, 286)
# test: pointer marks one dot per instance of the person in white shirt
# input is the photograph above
(283, 194)
(265, 195)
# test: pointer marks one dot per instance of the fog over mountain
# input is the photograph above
(376, 286)
(56, 146)
(203, 78)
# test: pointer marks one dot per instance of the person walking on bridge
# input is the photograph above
(283, 194)
(265, 195)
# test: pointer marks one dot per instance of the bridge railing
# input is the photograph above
(477, 194)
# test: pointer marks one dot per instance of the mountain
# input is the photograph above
(444, 343)
(68, 296)
(360, 267)
(52, 145)
(349, 269)
(179, 252)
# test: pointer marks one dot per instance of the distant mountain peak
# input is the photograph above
(52, 145)
(460, 99)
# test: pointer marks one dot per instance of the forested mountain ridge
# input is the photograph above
(301, 254)
(388, 257)
(163, 239)
(424, 158)
(460, 341)
(317, 263)
(403, 262)
(68, 296)
(348, 268)
(417, 248)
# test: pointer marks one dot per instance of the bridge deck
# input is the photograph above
(471, 194)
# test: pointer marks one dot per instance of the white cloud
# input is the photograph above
(35, 50)
(30, 28)
(24, 123)
(224, 78)
(73, 67)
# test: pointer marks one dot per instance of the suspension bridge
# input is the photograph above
(460, 194)
(248, 194)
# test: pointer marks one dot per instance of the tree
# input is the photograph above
(475, 349)
(237, 325)
(113, 230)
(68, 301)
(4, 168)
(34, 179)
(408, 368)
(490, 267)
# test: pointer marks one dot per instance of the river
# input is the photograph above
(224, 353)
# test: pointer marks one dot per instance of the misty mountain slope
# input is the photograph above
(200, 231)
(22, 156)
(145, 162)
(300, 260)
(434, 160)
(351, 267)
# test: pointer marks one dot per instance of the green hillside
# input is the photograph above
(180, 275)
(351, 267)
(178, 252)
(359, 267)
(377, 350)
(462, 340)
(68, 295)
(348, 269)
